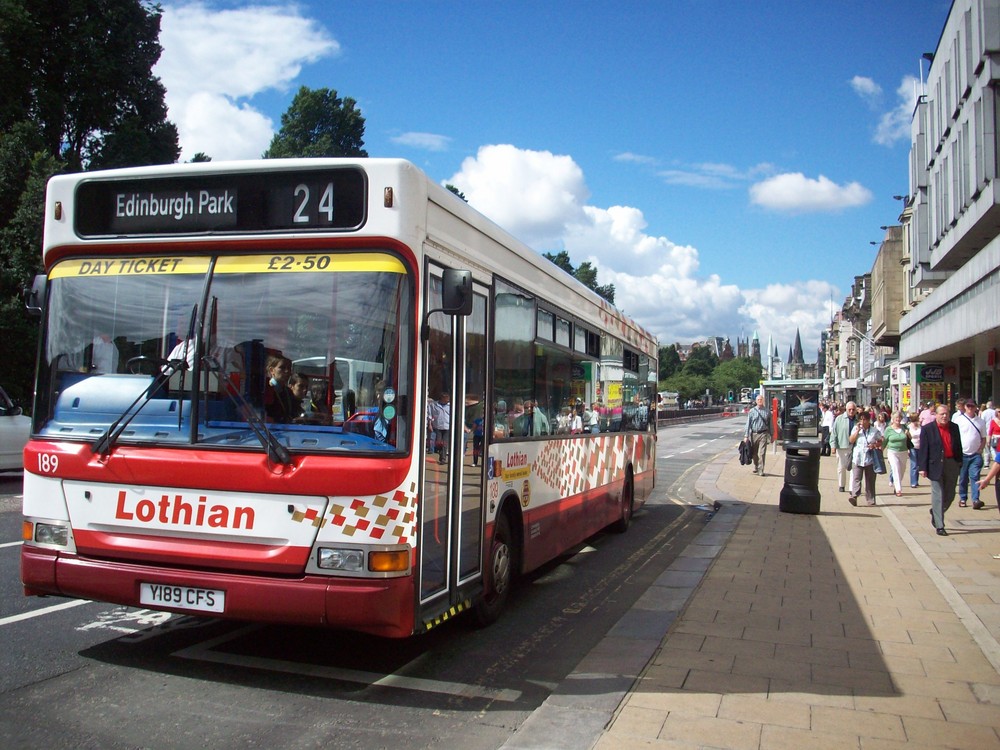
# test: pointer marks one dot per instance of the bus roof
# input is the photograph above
(393, 198)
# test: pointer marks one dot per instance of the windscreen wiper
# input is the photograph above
(275, 450)
(104, 443)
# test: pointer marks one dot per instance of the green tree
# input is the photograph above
(319, 123)
(452, 189)
(585, 273)
(77, 93)
(735, 374)
(670, 362)
(562, 260)
(20, 243)
(686, 385)
(80, 72)
(701, 361)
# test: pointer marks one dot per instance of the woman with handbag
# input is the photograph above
(914, 429)
(865, 439)
(896, 450)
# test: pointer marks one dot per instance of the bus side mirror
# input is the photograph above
(456, 297)
(34, 298)
(456, 292)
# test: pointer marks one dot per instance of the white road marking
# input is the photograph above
(11, 544)
(44, 611)
(204, 652)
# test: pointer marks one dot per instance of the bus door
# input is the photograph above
(450, 533)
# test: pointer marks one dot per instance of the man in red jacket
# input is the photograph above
(940, 461)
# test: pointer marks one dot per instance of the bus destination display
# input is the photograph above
(328, 199)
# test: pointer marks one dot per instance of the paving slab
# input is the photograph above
(854, 627)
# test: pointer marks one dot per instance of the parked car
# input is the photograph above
(14, 430)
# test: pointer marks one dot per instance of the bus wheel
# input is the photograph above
(628, 501)
(499, 574)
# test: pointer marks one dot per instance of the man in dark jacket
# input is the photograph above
(940, 460)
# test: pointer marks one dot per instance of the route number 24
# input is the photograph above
(302, 206)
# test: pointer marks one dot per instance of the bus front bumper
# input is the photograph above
(382, 606)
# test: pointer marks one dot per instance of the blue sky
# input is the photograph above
(724, 164)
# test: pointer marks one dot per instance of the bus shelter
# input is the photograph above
(798, 402)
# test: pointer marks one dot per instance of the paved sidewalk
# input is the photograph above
(854, 628)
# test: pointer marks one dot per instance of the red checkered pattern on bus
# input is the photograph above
(309, 515)
(570, 467)
(389, 519)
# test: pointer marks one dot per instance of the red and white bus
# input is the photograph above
(176, 300)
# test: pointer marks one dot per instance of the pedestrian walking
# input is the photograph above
(940, 461)
(913, 428)
(896, 441)
(441, 423)
(758, 434)
(865, 439)
(826, 426)
(843, 427)
(973, 431)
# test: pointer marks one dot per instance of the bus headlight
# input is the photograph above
(51, 534)
(352, 560)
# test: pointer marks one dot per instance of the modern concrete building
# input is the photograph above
(952, 214)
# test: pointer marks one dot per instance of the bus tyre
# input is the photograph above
(628, 502)
(499, 574)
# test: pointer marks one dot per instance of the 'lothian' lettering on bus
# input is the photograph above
(515, 460)
(179, 512)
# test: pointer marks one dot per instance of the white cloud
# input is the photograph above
(541, 198)
(423, 141)
(866, 88)
(216, 125)
(696, 179)
(628, 156)
(780, 310)
(535, 195)
(895, 125)
(713, 176)
(795, 193)
(215, 60)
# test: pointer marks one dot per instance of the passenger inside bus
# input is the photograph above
(279, 404)
(532, 422)
(310, 411)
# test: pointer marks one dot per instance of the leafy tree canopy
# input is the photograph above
(686, 385)
(80, 73)
(585, 273)
(735, 374)
(77, 93)
(319, 123)
(700, 361)
(670, 361)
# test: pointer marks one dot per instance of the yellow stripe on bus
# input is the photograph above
(272, 263)
(309, 263)
(98, 267)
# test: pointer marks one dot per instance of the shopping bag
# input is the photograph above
(878, 461)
